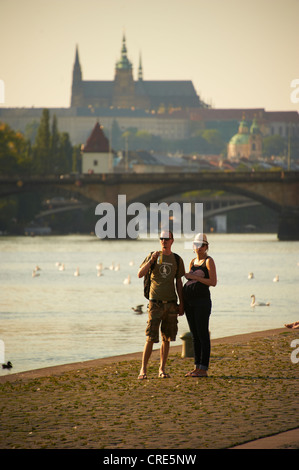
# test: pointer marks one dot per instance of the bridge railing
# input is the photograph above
(136, 178)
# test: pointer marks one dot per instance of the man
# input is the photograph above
(162, 309)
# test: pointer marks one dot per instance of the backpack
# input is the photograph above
(147, 277)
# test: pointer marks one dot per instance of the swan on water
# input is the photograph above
(127, 280)
(258, 304)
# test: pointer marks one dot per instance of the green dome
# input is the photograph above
(239, 139)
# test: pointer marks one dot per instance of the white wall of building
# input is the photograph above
(96, 163)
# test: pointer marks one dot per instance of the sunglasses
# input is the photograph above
(199, 245)
(163, 238)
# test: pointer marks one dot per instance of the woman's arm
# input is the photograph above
(212, 280)
(179, 289)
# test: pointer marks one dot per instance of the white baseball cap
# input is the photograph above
(200, 239)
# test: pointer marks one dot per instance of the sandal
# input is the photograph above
(189, 374)
(200, 373)
(142, 377)
(163, 375)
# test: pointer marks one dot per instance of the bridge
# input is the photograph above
(278, 190)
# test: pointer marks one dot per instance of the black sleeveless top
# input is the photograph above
(197, 289)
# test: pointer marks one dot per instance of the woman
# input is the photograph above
(197, 303)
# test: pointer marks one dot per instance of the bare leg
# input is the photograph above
(163, 356)
(147, 351)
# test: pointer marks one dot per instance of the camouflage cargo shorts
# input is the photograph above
(165, 314)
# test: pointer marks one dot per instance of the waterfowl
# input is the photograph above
(258, 304)
(127, 280)
(138, 309)
(8, 365)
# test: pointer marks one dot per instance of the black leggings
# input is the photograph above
(198, 315)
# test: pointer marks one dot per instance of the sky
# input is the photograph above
(238, 54)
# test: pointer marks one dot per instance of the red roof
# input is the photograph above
(283, 116)
(97, 142)
(212, 114)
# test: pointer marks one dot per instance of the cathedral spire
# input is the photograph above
(140, 71)
(76, 98)
(124, 62)
(77, 74)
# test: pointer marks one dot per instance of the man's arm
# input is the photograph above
(144, 269)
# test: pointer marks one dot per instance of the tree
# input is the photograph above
(274, 145)
(115, 137)
(54, 143)
(52, 151)
(42, 149)
(31, 131)
(65, 153)
(15, 152)
(76, 159)
(216, 143)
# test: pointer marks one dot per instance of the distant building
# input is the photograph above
(170, 109)
(125, 93)
(247, 143)
(97, 157)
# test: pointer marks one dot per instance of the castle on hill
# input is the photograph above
(126, 93)
(170, 109)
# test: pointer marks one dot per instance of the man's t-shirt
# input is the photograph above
(162, 278)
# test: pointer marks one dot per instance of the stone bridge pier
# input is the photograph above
(288, 226)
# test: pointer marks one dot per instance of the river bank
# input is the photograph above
(56, 317)
(251, 393)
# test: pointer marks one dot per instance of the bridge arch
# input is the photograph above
(158, 195)
(277, 190)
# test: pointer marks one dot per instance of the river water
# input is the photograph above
(57, 318)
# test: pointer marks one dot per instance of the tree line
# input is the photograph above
(50, 153)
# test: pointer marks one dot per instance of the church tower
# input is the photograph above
(77, 92)
(140, 71)
(256, 141)
(124, 88)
